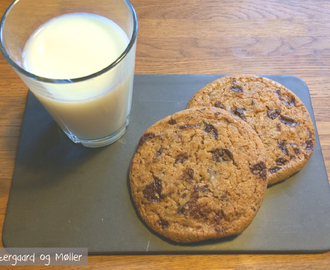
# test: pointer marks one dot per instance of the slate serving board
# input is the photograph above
(65, 195)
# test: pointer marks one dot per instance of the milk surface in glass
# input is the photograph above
(73, 46)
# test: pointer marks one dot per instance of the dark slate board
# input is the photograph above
(66, 195)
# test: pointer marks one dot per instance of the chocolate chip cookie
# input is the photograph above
(277, 115)
(198, 174)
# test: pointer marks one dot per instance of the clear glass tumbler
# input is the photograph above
(93, 108)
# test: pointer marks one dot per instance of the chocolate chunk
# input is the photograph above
(188, 176)
(281, 161)
(189, 126)
(180, 158)
(291, 101)
(259, 168)
(191, 173)
(309, 144)
(195, 191)
(164, 223)
(219, 216)
(278, 127)
(295, 148)
(203, 188)
(159, 152)
(288, 121)
(152, 192)
(274, 169)
(197, 210)
(288, 101)
(193, 196)
(182, 209)
(282, 146)
(236, 88)
(218, 229)
(240, 113)
(272, 114)
(211, 129)
(221, 155)
(278, 92)
(145, 137)
(219, 105)
(224, 197)
(172, 121)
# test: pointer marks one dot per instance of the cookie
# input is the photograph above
(198, 174)
(277, 115)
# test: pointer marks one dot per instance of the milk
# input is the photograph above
(73, 46)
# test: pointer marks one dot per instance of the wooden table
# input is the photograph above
(207, 37)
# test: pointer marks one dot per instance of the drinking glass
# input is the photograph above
(92, 109)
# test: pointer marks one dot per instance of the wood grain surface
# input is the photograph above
(288, 37)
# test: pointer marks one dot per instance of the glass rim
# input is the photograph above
(73, 80)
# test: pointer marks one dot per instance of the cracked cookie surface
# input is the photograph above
(198, 174)
(277, 115)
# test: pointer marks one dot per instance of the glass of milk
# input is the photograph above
(77, 57)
